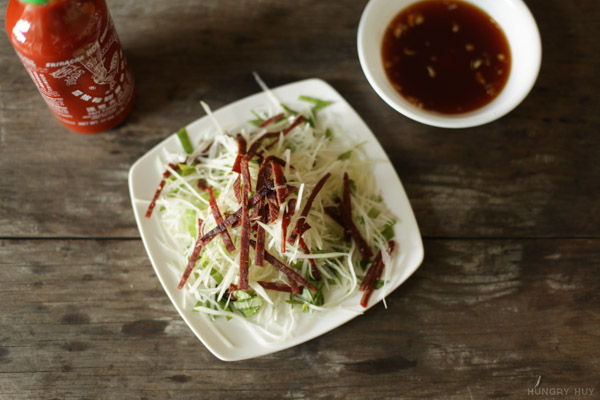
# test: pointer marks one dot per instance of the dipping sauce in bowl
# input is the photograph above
(450, 63)
(446, 56)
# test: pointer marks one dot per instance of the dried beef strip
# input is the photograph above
(278, 160)
(295, 288)
(256, 145)
(202, 185)
(301, 220)
(245, 233)
(161, 186)
(300, 119)
(246, 174)
(346, 208)
(259, 257)
(275, 135)
(280, 181)
(273, 206)
(237, 189)
(377, 268)
(366, 282)
(287, 271)
(234, 224)
(241, 153)
(285, 221)
(280, 287)
(264, 174)
(305, 226)
(333, 213)
(193, 257)
(232, 288)
(269, 121)
(219, 220)
(233, 219)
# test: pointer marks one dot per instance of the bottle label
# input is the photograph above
(93, 87)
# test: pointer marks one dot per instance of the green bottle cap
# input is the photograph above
(34, 1)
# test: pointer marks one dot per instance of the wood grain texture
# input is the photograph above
(488, 317)
(532, 173)
(508, 291)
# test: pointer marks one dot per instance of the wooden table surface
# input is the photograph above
(506, 298)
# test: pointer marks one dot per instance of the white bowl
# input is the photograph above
(526, 52)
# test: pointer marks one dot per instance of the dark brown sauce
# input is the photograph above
(446, 56)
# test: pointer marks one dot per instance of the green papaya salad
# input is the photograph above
(278, 217)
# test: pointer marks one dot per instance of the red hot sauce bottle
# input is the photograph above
(72, 52)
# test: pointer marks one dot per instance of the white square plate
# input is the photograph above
(146, 173)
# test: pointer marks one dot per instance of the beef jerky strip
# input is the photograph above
(202, 185)
(241, 153)
(246, 173)
(285, 221)
(305, 226)
(347, 235)
(295, 288)
(264, 174)
(287, 271)
(232, 288)
(237, 221)
(245, 234)
(306, 208)
(256, 145)
(233, 219)
(370, 288)
(161, 186)
(259, 257)
(262, 180)
(276, 135)
(366, 282)
(280, 182)
(363, 246)
(277, 160)
(311, 261)
(273, 206)
(237, 189)
(193, 257)
(219, 220)
(300, 119)
(280, 287)
(271, 120)
(333, 213)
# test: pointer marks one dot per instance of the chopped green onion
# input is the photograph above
(185, 141)
(216, 276)
(190, 221)
(345, 156)
(373, 212)
(388, 232)
(185, 170)
(246, 303)
(318, 103)
(289, 110)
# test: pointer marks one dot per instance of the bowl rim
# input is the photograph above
(503, 104)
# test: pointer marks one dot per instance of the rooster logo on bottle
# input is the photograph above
(95, 64)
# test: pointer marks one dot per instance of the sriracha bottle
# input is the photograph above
(71, 50)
